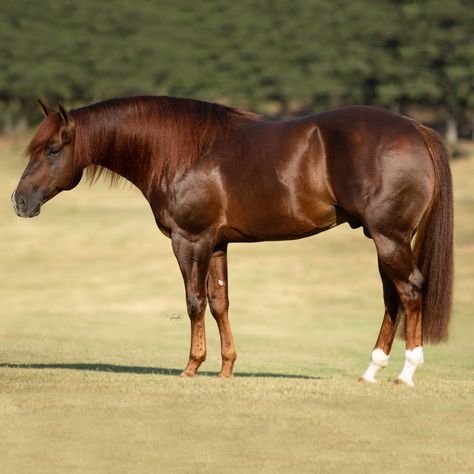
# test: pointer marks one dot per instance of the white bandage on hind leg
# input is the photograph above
(378, 361)
(413, 359)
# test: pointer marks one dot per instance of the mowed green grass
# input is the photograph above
(89, 356)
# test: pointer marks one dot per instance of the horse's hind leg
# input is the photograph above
(398, 262)
(381, 351)
(217, 294)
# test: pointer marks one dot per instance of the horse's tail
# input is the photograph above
(433, 247)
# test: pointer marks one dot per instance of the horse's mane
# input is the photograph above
(149, 138)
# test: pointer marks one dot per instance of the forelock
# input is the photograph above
(48, 128)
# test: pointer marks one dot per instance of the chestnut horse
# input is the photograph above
(215, 174)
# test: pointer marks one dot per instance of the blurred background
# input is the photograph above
(280, 58)
(89, 351)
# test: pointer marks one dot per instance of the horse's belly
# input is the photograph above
(284, 221)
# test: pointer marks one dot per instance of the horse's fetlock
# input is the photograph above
(198, 358)
(229, 356)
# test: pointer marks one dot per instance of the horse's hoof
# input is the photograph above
(404, 383)
(370, 382)
(224, 375)
(186, 375)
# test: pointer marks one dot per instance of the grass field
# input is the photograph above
(89, 356)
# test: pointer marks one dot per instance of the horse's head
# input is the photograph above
(51, 168)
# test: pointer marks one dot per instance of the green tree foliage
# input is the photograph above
(438, 55)
(278, 57)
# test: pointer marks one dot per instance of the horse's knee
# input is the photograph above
(219, 304)
(196, 305)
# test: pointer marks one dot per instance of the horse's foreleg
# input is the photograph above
(217, 293)
(380, 354)
(193, 258)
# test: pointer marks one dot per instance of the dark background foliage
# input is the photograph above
(280, 58)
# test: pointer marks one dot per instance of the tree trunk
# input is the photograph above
(451, 129)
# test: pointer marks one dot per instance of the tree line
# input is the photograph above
(280, 58)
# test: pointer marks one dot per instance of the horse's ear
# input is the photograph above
(65, 115)
(45, 108)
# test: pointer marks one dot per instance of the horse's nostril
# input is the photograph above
(21, 203)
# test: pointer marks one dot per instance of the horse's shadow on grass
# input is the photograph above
(127, 369)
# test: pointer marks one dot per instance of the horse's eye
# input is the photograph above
(53, 153)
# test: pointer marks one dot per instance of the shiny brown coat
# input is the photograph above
(215, 175)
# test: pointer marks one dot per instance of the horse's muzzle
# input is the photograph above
(25, 207)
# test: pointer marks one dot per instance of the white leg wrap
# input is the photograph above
(413, 359)
(378, 361)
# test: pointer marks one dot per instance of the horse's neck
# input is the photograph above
(119, 160)
(147, 155)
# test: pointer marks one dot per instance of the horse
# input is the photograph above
(214, 175)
